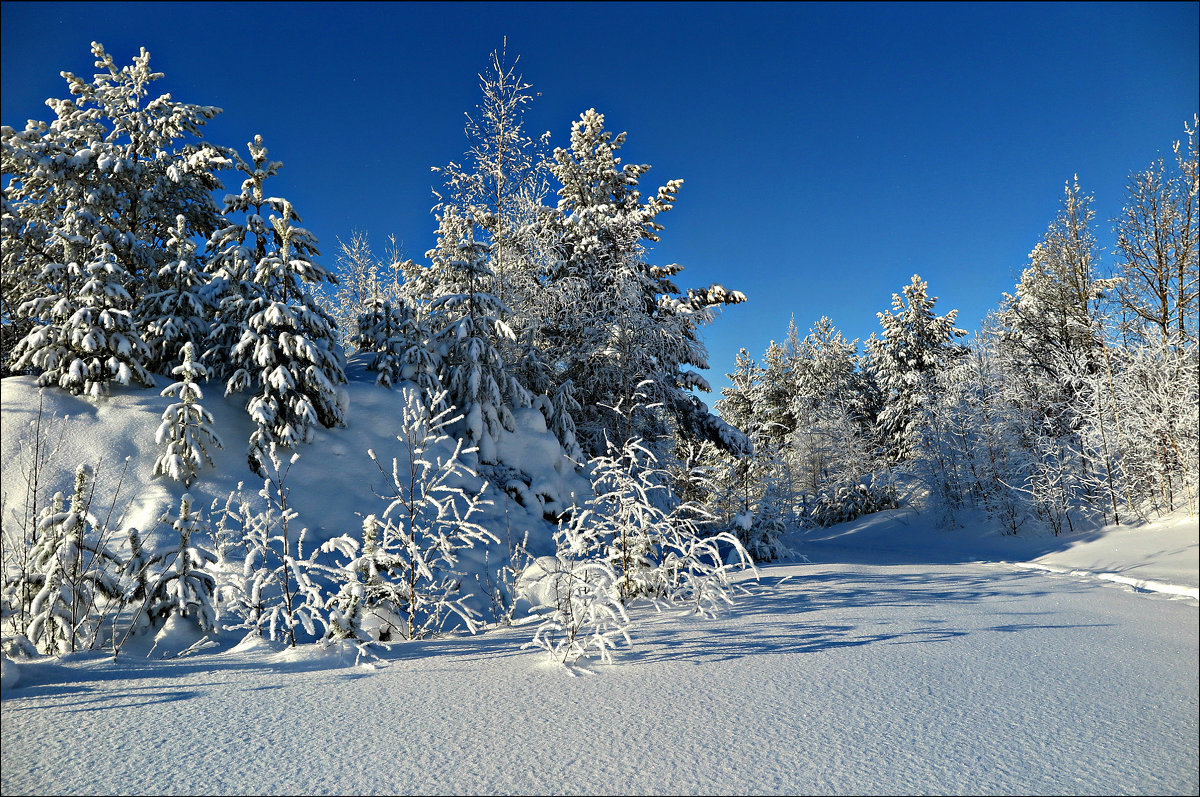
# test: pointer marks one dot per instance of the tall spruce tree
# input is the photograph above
(618, 325)
(96, 195)
(286, 351)
(914, 346)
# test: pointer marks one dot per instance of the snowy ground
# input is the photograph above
(899, 659)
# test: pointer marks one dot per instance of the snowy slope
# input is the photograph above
(333, 484)
(1160, 556)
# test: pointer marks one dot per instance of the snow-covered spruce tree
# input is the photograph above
(101, 187)
(76, 573)
(398, 344)
(466, 321)
(232, 253)
(915, 345)
(365, 282)
(87, 339)
(286, 355)
(430, 519)
(177, 315)
(737, 483)
(825, 385)
(279, 589)
(186, 430)
(185, 586)
(745, 493)
(835, 449)
(776, 393)
(611, 320)
(359, 593)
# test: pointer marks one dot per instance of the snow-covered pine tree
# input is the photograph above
(99, 188)
(1053, 336)
(177, 314)
(186, 430)
(466, 320)
(502, 182)
(915, 345)
(287, 353)
(75, 573)
(87, 339)
(611, 320)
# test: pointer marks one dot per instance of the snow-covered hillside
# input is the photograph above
(333, 484)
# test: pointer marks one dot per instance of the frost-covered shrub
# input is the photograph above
(278, 590)
(430, 519)
(580, 608)
(653, 542)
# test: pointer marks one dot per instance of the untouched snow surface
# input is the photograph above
(899, 658)
(850, 674)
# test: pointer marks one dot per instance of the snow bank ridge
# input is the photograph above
(1136, 583)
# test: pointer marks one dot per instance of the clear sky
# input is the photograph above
(828, 151)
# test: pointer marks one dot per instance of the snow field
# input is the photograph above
(825, 679)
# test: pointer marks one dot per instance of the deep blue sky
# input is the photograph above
(829, 151)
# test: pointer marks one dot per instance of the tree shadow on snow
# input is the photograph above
(792, 617)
